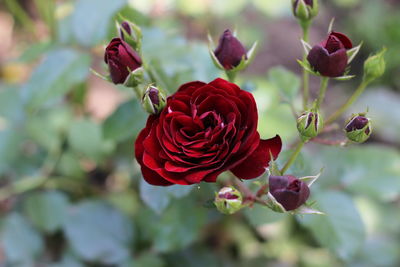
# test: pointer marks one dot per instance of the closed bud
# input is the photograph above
(228, 200)
(329, 58)
(305, 10)
(122, 60)
(358, 128)
(309, 124)
(230, 51)
(288, 191)
(153, 100)
(374, 66)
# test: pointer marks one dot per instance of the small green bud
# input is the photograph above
(305, 10)
(374, 66)
(358, 128)
(134, 78)
(309, 124)
(228, 200)
(153, 100)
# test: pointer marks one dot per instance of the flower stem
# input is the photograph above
(322, 91)
(292, 157)
(349, 102)
(306, 90)
(231, 76)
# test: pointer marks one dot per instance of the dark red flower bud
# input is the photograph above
(357, 123)
(289, 191)
(121, 60)
(230, 51)
(330, 57)
(125, 25)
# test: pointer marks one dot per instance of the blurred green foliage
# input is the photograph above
(72, 194)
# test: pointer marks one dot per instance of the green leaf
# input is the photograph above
(55, 76)
(97, 232)
(175, 229)
(259, 215)
(91, 19)
(85, 137)
(125, 122)
(69, 165)
(285, 81)
(157, 197)
(20, 242)
(47, 210)
(341, 229)
(368, 170)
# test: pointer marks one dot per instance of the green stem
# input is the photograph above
(21, 186)
(292, 157)
(306, 77)
(322, 91)
(231, 76)
(349, 102)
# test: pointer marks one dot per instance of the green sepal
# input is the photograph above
(351, 53)
(135, 78)
(228, 206)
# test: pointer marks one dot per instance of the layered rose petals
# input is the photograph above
(203, 130)
(330, 57)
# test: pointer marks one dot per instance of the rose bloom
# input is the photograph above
(204, 130)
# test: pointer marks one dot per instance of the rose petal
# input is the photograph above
(255, 164)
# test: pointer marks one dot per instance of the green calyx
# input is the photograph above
(305, 11)
(228, 200)
(374, 66)
(309, 124)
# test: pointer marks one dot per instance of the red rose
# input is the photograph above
(330, 57)
(204, 130)
(121, 60)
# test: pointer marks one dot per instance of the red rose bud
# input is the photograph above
(358, 128)
(309, 124)
(153, 100)
(305, 10)
(230, 51)
(228, 200)
(288, 191)
(204, 130)
(121, 60)
(330, 57)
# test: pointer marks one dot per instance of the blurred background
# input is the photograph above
(71, 193)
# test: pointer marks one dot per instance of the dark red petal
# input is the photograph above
(344, 39)
(190, 86)
(337, 64)
(318, 57)
(150, 176)
(255, 164)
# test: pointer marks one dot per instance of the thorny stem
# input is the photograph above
(349, 102)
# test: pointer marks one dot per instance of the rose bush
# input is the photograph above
(204, 130)
(121, 60)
